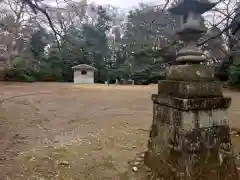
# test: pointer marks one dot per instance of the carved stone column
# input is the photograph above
(190, 135)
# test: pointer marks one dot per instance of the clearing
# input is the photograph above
(66, 131)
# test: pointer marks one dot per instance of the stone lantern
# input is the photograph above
(190, 134)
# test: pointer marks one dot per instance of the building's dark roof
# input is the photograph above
(84, 67)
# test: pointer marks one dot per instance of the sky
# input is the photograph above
(123, 4)
(126, 5)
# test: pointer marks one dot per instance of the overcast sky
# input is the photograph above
(123, 4)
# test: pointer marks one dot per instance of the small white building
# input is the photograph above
(83, 74)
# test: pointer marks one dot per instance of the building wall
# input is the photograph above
(83, 79)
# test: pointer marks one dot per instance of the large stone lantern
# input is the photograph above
(190, 134)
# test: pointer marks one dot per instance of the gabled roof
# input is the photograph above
(84, 67)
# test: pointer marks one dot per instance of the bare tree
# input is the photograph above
(16, 27)
(221, 18)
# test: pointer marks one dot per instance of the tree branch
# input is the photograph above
(163, 9)
(35, 7)
(228, 27)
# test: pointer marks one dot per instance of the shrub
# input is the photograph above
(234, 75)
(28, 78)
(20, 74)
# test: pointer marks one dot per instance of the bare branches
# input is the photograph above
(224, 30)
(35, 7)
(226, 14)
(162, 10)
(33, 4)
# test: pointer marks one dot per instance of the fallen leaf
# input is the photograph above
(135, 169)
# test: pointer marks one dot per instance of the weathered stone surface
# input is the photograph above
(190, 144)
(195, 169)
(188, 121)
(190, 72)
(191, 104)
(190, 139)
(190, 89)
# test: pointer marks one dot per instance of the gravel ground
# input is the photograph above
(65, 131)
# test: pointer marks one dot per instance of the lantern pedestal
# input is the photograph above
(190, 135)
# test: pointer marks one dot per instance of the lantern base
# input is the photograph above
(190, 134)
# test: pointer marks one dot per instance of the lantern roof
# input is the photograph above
(198, 6)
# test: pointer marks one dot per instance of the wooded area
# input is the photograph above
(44, 42)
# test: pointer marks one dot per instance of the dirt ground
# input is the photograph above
(63, 131)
